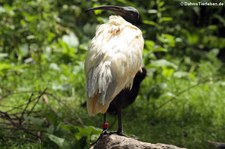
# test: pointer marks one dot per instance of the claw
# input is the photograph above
(104, 132)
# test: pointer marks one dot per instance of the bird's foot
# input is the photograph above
(104, 132)
(118, 133)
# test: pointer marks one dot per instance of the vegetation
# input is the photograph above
(43, 44)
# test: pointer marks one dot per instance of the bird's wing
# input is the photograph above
(114, 57)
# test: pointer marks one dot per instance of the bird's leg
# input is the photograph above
(105, 124)
(104, 118)
(120, 125)
(105, 127)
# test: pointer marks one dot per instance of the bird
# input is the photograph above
(113, 59)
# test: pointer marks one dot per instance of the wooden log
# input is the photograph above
(219, 145)
(115, 141)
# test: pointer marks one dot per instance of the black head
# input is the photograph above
(130, 14)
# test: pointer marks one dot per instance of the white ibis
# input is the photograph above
(113, 59)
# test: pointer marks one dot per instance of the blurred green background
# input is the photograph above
(43, 44)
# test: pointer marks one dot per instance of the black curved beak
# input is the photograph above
(130, 14)
(108, 7)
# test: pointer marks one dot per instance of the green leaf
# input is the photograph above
(3, 55)
(167, 39)
(193, 38)
(153, 11)
(97, 12)
(167, 72)
(57, 140)
(161, 3)
(152, 23)
(158, 48)
(149, 44)
(163, 63)
(169, 95)
(165, 19)
(71, 40)
(87, 130)
(180, 74)
(4, 66)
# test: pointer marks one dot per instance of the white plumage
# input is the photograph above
(114, 57)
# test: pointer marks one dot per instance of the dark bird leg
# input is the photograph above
(104, 118)
(120, 125)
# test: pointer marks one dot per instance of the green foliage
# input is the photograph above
(43, 44)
